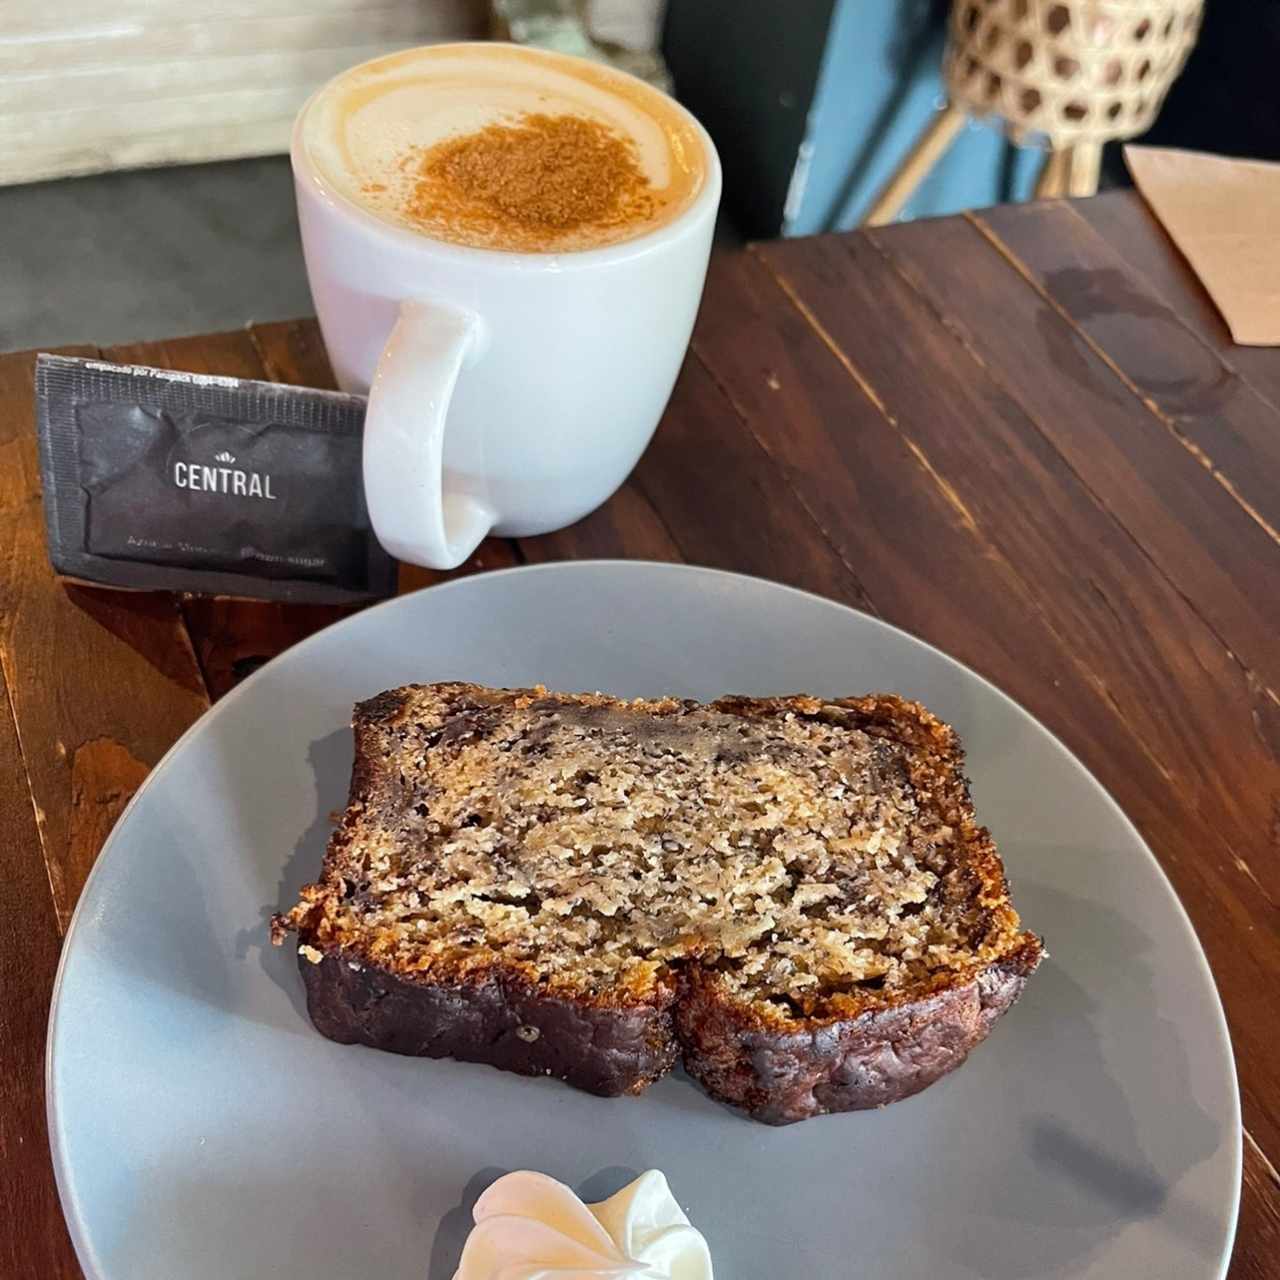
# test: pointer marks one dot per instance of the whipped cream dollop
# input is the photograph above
(531, 1227)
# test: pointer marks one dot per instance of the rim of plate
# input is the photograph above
(70, 1204)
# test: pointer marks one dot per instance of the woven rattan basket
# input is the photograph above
(1068, 74)
(1068, 70)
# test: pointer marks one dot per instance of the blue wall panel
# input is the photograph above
(879, 84)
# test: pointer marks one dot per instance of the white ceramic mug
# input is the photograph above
(509, 393)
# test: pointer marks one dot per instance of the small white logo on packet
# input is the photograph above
(223, 479)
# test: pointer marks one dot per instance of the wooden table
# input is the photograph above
(1023, 435)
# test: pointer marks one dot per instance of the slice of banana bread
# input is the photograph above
(790, 893)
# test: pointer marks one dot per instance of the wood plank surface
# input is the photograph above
(880, 344)
(718, 494)
(34, 1244)
(866, 485)
(627, 527)
(1132, 230)
(925, 560)
(1188, 723)
(1210, 550)
(1207, 406)
(953, 425)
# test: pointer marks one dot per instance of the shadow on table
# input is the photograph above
(146, 621)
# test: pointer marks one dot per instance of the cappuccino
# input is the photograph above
(501, 147)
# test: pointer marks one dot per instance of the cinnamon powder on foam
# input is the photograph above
(531, 183)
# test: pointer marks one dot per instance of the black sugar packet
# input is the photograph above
(160, 480)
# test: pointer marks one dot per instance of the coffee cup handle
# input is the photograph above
(413, 515)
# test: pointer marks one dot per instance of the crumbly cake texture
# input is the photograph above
(594, 886)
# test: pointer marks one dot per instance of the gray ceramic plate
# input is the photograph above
(202, 1129)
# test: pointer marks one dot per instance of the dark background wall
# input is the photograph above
(1227, 99)
(822, 98)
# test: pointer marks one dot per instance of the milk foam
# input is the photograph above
(359, 129)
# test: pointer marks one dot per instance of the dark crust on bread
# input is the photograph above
(778, 1067)
(499, 1022)
(883, 1056)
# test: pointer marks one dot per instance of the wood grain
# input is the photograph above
(718, 495)
(1111, 657)
(1227, 425)
(927, 562)
(101, 683)
(1195, 533)
(1127, 224)
(1257, 1251)
(233, 638)
(292, 351)
(865, 484)
(33, 1236)
(627, 527)
(1038, 515)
